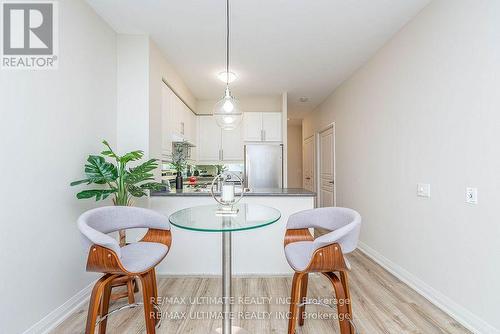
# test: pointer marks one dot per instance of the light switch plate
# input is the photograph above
(424, 190)
(471, 195)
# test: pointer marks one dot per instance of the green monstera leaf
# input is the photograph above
(98, 171)
(116, 179)
(99, 194)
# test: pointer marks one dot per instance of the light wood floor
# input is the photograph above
(381, 304)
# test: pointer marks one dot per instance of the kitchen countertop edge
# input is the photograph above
(271, 192)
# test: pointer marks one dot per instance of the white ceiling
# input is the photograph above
(304, 47)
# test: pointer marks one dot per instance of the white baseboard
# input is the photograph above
(469, 320)
(56, 317)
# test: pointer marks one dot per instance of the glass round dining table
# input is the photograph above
(209, 218)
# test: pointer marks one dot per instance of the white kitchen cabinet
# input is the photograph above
(262, 126)
(209, 134)
(215, 144)
(252, 126)
(166, 120)
(178, 122)
(175, 117)
(271, 126)
(232, 145)
(193, 134)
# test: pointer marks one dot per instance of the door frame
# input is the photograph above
(318, 163)
(313, 137)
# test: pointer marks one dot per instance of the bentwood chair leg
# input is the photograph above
(158, 314)
(155, 287)
(130, 291)
(342, 311)
(345, 284)
(147, 295)
(105, 307)
(294, 301)
(95, 302)
(303, 297)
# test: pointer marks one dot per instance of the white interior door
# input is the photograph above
(327, 168)
(308, 164)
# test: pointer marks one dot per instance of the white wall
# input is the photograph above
(133, 93)
(50, 121)
(294, 155)
(426, 109)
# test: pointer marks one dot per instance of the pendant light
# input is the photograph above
(227, 111)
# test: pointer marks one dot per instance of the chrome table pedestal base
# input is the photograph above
(234, 330)
(227, 276)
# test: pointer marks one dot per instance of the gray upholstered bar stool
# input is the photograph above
(325, 255)
(137, 259)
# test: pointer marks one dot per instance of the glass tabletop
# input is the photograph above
(206, 219)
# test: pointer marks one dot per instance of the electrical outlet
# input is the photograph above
(424, 190)
(471, 195)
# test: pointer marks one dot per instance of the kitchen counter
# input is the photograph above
(259, 251)
(260, 192)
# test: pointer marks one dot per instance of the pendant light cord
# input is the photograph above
(227, 43)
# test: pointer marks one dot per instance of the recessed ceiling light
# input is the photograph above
(227, 76)
(303, 99)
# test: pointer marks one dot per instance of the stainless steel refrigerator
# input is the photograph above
(263, 166)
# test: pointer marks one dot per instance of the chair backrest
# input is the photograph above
(344, 224)
(95, 224)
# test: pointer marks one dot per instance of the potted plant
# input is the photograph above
(116, 179)
(179, 162)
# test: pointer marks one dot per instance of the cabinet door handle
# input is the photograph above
(222, 154)
(182, 128)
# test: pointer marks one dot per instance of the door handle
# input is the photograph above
(308, 178)
(331, 182)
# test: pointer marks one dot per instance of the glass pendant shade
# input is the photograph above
(227, 112)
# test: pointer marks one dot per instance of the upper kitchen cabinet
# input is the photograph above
(217, 145)
(271, 126)
(178, 122)
(252, 126)
(210, 139)
(262, 126)
(166, 120)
